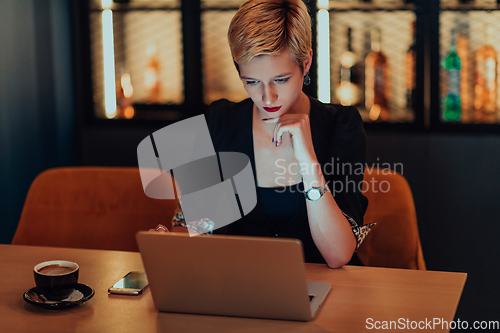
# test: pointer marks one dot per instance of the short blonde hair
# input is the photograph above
(269, 27)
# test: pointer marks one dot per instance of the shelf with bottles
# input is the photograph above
(220, 77)
(149, 60)
(145, 64)
(373, 61)
(469, 42)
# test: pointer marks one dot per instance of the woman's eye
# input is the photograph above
(282, 80)
(251, 82)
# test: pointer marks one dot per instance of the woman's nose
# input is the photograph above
(269, 95)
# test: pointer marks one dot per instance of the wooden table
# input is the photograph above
(358, 293)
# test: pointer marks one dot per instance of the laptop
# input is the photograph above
(258, 277)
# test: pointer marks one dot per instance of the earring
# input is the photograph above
(307, 79)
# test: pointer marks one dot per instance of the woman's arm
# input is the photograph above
(333, 233)
(330, 229)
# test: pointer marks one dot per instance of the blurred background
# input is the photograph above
(82, 82)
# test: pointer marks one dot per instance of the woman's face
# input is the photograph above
(274, 83)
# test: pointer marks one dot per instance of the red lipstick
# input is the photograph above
(274, 109)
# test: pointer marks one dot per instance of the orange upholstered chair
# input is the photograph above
(89, 207)
(394, 241)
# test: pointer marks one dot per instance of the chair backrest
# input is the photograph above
(394, 241)
(89, 207)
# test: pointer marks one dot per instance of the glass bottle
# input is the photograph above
(348, 90)
(377, 85)
(152, 75)
(485, 97)
(463, 54)
(453, 109)
(462, 30)
(410, 70)
(124, 92)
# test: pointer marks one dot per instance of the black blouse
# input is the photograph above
(339, 143)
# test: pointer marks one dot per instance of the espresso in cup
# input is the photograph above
(55, 269)
(56, 274)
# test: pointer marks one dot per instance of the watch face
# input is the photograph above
(314, 194)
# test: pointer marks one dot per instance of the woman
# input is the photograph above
(290, 138)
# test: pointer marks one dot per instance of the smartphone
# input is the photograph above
(131, 284)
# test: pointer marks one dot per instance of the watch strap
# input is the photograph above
(322, 190)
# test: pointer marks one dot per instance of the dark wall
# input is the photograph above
(37, 128)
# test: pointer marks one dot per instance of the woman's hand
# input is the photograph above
(160, 228)
(297, 125)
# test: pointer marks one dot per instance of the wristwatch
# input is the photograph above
(315, 193)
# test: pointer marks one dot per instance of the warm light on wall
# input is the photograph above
(109, 62)
(323, 52)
